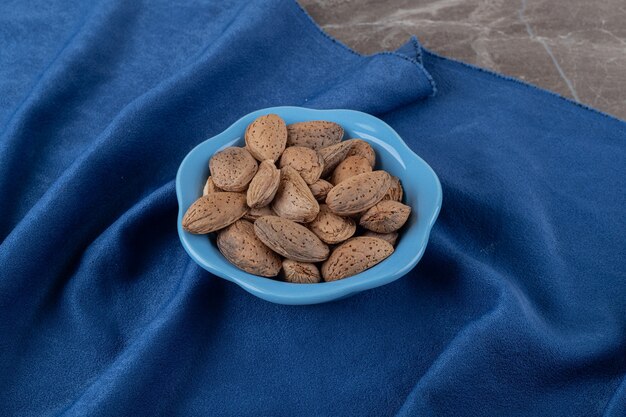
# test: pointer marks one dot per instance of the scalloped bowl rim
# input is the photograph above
(406, 255)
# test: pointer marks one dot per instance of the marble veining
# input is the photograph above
(531, 34)
(575, 48)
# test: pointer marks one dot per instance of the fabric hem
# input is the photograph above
(525, 84)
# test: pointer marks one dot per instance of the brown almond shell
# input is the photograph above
(331, 228)
(294, 199)
(358, 193)
(306, 161)
(266, 137)
(232, 169)
(214, 212)
(349, 167)
(315, 134)
(300, 272)
(385, 217)
(264, 185)
(240, 245)
(354, 256)
(290, 239)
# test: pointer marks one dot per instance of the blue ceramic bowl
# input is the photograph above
(422, 193)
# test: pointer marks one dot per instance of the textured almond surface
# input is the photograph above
(395, 191)
(330, 228)
(358, 193)
(333, 155)
(240, 245)
(264, 185)
(214, 212)
(315, 134)
(266, 137)
(390, 238)
(210, 187)
(308, 162)
(354, 256)
(290, 239)
(300, 272)
(361, 148)
(232, 168)
(299, 199)
(320, 189)
(349, 167)
(385, 217)
(255, 213)
(294, 200)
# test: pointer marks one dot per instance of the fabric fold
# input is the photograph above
(405, 81)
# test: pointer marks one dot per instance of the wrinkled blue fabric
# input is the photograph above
(518, 307)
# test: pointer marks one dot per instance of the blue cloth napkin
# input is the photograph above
(518, 307)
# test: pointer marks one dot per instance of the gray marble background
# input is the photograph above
(574, 47)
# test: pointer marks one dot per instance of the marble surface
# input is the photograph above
(576, 48)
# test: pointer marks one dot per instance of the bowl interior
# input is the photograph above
(422, 193)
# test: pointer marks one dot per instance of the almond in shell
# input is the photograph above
(294, 200)
(358, 193)
(300, 272)
(355, 256)
(240, 245)
(349, 167)
(333, 155)
(330, 228)
(255, 213)
(214, 212)
(364, 149)
(385, 217)
(266, 137)
(232, 169)
(290, 239)
(264, 185)
(395, 191)
(308, 162)
(315, 134)
(320, 189)
(390, 238)
(210, 187)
